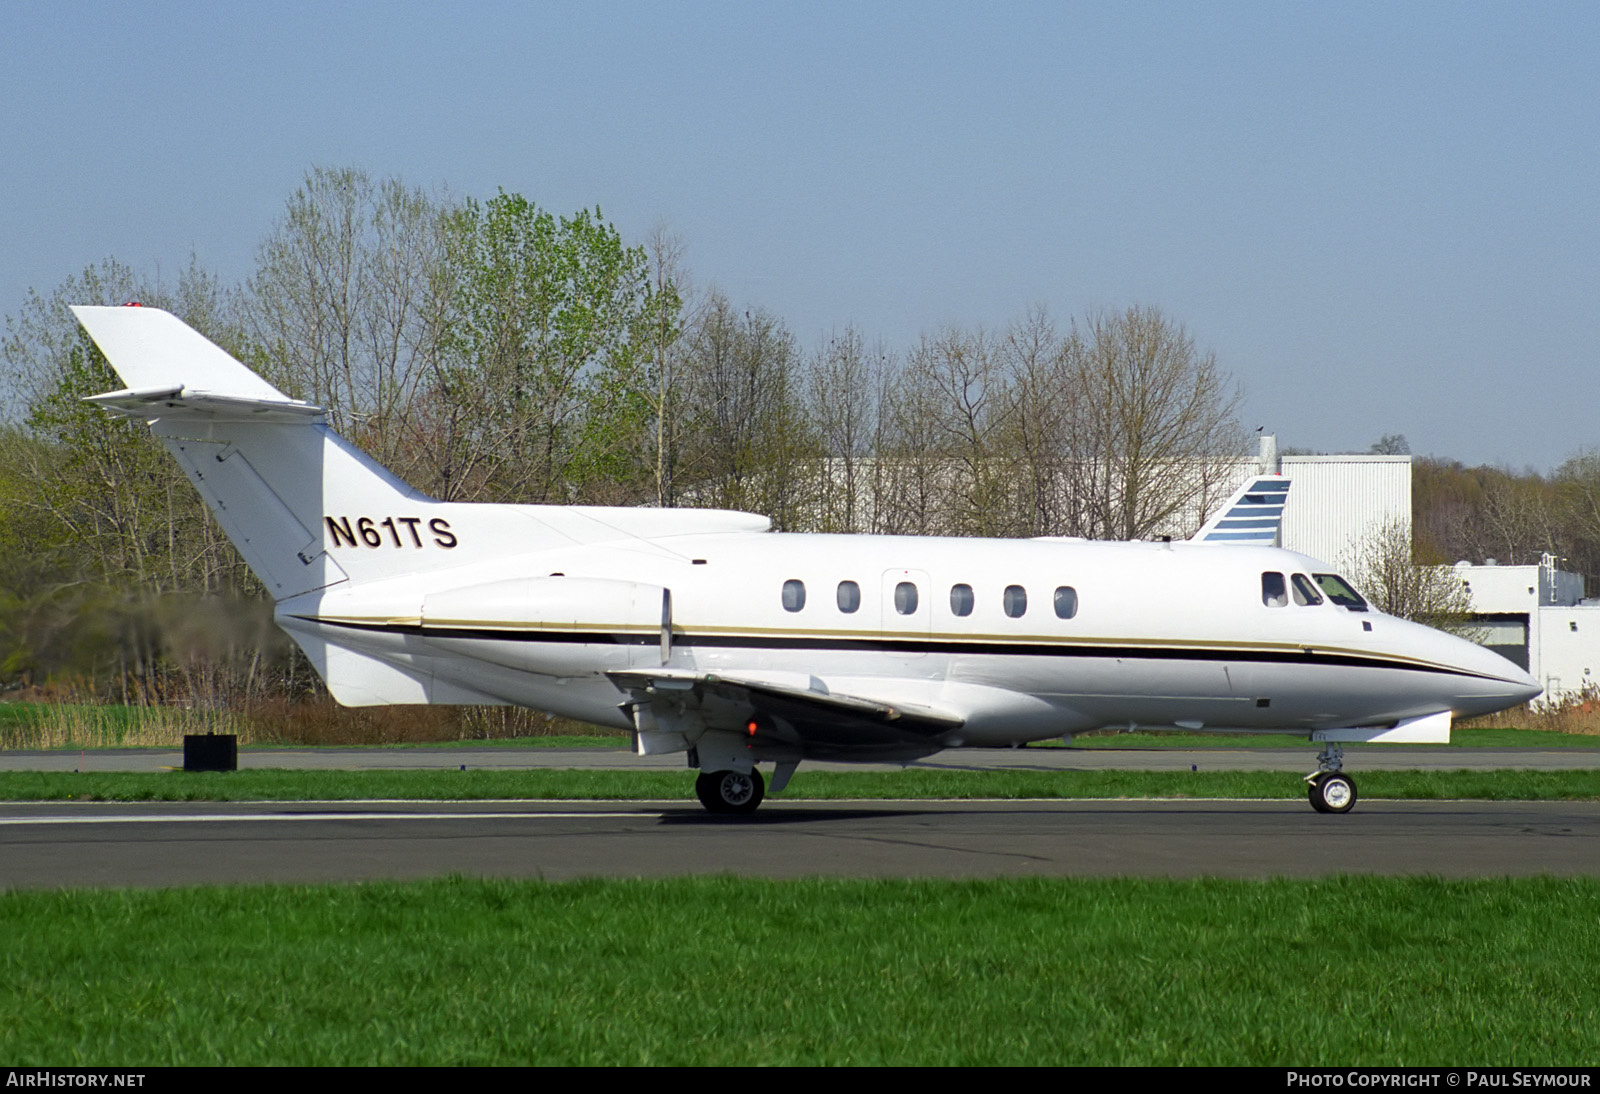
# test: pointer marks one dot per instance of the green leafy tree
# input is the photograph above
(555, 324)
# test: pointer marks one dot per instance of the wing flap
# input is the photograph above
(818, 722)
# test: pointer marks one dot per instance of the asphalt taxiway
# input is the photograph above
(120, 844)
(59, 844)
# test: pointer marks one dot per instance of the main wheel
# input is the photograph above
(1334, 792)
(730, 791)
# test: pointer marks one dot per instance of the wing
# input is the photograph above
(807, 722)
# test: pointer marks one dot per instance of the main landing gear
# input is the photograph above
(730, 791)
(1328, 787)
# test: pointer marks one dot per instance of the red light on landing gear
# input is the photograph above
(750, 727)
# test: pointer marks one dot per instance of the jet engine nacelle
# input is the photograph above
(632, 616)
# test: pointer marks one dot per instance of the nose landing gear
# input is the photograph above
(1328, 787)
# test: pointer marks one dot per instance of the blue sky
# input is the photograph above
(1381, 218)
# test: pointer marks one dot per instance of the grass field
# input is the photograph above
(557, 785)
(1349, 971)
(66, 725)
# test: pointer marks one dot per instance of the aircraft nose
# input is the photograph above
(1524, 687)
(1498, 683)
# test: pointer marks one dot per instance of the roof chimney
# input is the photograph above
(1269, 454)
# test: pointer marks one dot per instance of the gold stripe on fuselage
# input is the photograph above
(999, 641)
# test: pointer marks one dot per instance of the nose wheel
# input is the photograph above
(1332, 792)
(730, 791)
(1328, 787)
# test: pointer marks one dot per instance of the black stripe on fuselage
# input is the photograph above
(906, 644)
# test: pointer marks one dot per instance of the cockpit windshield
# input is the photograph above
(1340, 592)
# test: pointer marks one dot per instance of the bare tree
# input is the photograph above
(349, 307)
(842, 401)
(1391, 444)
(1517, 520)
(1039, 425)
(1153, 425)
(1384, 568)
(747, 441)
(911, 480)
(1577, 484)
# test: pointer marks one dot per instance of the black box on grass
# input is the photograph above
(210, 752)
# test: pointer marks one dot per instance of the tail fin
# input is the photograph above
(1254, 515)
(269, 466)
(305, 507)
(308, 510)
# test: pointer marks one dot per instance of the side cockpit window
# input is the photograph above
(1274, 593)
(1305, 593)
(1340, 592)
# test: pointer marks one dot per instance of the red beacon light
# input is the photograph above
(133, 304)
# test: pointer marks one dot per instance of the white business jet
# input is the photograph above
(703, 632)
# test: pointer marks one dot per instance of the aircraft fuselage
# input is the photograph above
(1149, 635)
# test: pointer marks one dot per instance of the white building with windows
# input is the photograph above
(1537, 617)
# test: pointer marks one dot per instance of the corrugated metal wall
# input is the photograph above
(1338, 502)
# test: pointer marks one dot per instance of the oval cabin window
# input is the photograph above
(849, 596)
(1016, 601)
(905, 598)
(1066, 602)
(794, 595)
(961, 599)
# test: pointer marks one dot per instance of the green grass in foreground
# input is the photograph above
(280, 785)
(1347, 971)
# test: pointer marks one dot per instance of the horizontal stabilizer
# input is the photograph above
(167, 401)
(153, 350)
